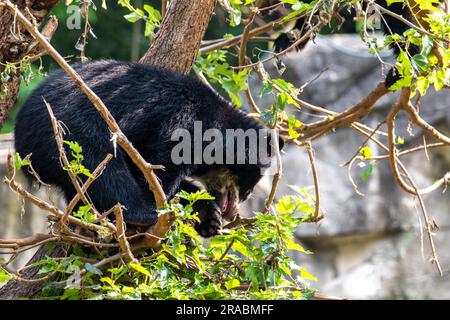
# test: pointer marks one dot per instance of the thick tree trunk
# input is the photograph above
(175, 47)
(8, 96)
(178, 40)
(13, 48)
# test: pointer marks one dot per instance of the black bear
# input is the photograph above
(149, 104)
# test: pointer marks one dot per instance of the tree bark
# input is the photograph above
(178, 39)
(13, 47)
(175, 47)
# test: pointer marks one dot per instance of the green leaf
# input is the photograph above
(227, 36)
(368, 172)
(85, 213)
(420, 62)
(93, 269)
(285, 205)
(265, 90)
(402, 82)
(281, 100)
(269, 116)
(389, 2)
(366, 152)
(19, 162)
(306, 275)
(75, 166)
(195, 196)
(422, 84)
(404, 65)
(133, 17)
(292, 245)
(241, 248)
(437, 79)
(139, 268)
(232, 283)
(4, 276)
(216, 69)
(153, 14)
(283, 84)
(427, 45)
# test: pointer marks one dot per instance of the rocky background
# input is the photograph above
(366, 247)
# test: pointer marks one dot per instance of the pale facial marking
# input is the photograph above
(223, 185)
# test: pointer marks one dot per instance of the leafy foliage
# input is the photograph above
(423, 69)
(284, 94)
(150, 15)
(233, 7)
(19, 162)
(429, 67)
(215, 67)
(75, 165)
(85, 213)
(247, 262)
(4, 275)
(22, 67)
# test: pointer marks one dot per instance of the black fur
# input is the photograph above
(148, 103)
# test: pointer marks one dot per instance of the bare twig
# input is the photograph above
(417, 119)
(317, 213)
(243, 51)
(44, 205)
(121, 238)
(85, 187)
(428, 225)
(57, 131)
(302, 39)
(228, 43)
(358, 111)
(277, 175)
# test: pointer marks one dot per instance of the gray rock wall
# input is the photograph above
(366, 247)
